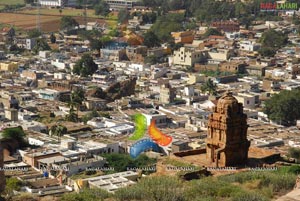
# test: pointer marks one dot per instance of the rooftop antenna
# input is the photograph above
(38, 16)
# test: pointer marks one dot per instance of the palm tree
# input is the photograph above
(58, 130)
(77, 97)
(72, 116)
(209, 87)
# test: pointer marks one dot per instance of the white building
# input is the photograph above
(58, 3)
(112, 182)
(160, 118)
(248, 45)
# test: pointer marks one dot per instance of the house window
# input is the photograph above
(247, 102)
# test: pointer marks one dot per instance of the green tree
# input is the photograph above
(123, 16)
(271, 41)
(41, 45)
(29, 1)
(85, 66)
(267, 51)
(77, 97)
(120, 162)
(212, 31)
(102, 9)
(72, 116)
(52, 38)
(16, 133)
(166, 24)
(151, 40)
(278, 107)
(34, 33)
(209, 87)
(90, 116)
(114, 33)
(67, 23)
(149, 17)
(105, 40)
(96, 44)
(294, 153)
(151, 59)
(12, 184)
(58, 130)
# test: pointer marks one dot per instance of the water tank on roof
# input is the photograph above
(46, 174)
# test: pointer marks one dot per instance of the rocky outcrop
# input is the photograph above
(116, 90)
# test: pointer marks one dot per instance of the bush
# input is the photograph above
(228, 191)
(294, 153)
(128, 194)
(249, 196)
(153, 189)
(278, 182)
(87, 195)
(210, 187)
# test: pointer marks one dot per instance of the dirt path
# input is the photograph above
(294, 195)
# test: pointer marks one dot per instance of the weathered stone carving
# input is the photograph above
(227, 144)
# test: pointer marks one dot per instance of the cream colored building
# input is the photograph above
(187, 56)
(167, 94)
(195, 78)
(219, 54)
(8, 66)
(247, 100)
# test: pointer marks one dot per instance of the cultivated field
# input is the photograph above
(48, 23)
(66, 11)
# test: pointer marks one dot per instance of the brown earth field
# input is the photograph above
(48, 23)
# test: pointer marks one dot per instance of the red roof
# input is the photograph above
(216, 37)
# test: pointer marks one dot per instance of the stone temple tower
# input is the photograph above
(2, 178)
(226, 143)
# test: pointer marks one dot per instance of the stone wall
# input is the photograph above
(190, 152)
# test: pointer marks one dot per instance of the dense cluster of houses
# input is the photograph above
(39, 87)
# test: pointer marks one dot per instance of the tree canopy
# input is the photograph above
(120, 162)
(16, 133)
(166, 24)
(150, 39)
(102, 9)
(85, 66)
(278, 107)
(67, 22)
(212, 31)
(41, 45)
(209, 87)
(34, 33)
(271, 41)
(58, 130)
(123, 15)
